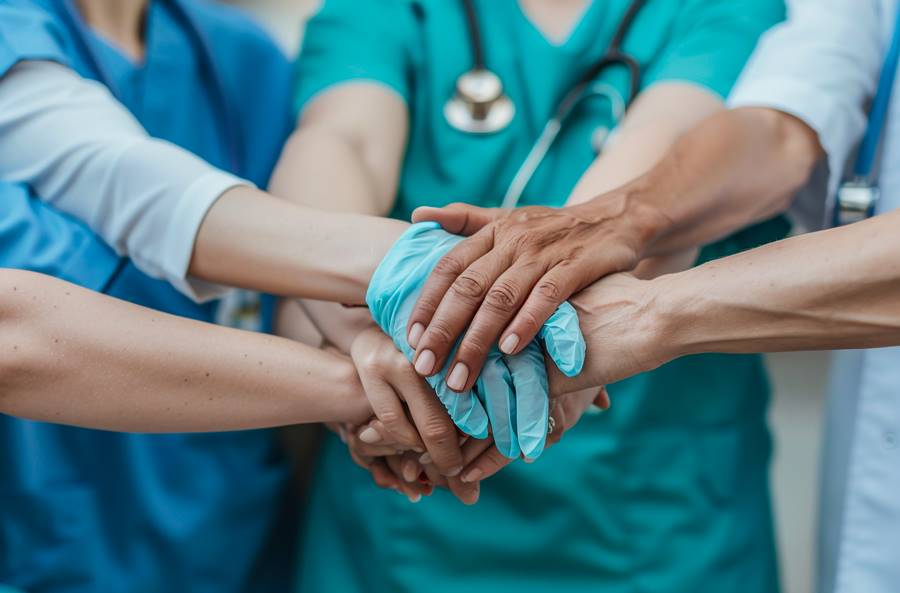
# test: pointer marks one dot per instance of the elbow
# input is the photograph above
(797, 151)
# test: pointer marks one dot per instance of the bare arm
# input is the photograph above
(833, 289)
(77, 357)
(653, 215)
(253, 240)
(344, 156)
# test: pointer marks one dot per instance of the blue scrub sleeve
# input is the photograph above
(711, 41)
(37, 237)
(28, 33)
(351, 40)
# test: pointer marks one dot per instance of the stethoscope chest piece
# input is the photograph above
(479, 105)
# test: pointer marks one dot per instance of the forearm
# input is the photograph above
(829, 290)
(76, 357)
(253, 240)
(735, 168)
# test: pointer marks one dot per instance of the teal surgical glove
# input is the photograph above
(511, 395)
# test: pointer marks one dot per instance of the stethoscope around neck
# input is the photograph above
(480, 104)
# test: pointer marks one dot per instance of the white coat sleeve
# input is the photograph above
(821, 65)
(81, 151)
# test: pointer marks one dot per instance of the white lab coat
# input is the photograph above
(822, 66)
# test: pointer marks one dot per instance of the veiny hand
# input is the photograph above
(626, 328)
(504, 281)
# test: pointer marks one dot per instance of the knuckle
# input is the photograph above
(503, 295)
(437, 431)
(471, 285)
(449, 265)
(549, 290)
(391, 419)
(438, 333)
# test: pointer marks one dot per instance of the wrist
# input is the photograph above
(672, 310)
(639, 220)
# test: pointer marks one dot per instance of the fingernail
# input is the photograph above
(425, 362)
(529, 459)
(458, 377)
(454, 471)
(415, 334)
(473, 475)
(342, 432)
(509, 344)
(409, 471)
(414, 498)
(370, 436)
(425, 459)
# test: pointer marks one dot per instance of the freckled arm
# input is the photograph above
(72, 356)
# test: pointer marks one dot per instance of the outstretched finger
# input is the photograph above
(442, 277)
(457, 218)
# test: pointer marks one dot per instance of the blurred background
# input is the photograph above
(799, 380)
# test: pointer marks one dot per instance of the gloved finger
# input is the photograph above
(375, 372)
(532, 399)
(465, 409)
(435, 427)
(458, 218)
(563, 340)
(484, 466)
(455, 312)
(495, 389)
(501, 302)
(548, 292)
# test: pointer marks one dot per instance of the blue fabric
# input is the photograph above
(511, 393)
(84, 510)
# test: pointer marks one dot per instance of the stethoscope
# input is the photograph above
(859, 193)
(480, 105)
(231, 130)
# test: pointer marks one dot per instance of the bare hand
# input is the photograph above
(515, 269)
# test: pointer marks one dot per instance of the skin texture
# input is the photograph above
(154, 372)
(359, 133)
(129, 368)
(834, 289)
(518, 266)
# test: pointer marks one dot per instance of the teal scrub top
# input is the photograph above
(83, 511)
(668, 491)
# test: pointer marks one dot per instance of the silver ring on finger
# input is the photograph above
(551, 425)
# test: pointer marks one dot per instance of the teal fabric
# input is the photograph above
(512, 391)
(666, 492)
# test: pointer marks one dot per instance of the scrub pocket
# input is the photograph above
(48, 540)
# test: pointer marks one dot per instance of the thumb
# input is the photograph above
(458, 218)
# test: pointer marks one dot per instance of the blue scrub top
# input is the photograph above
(84, 510)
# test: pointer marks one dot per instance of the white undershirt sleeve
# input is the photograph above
(81, 151)
(820, 65)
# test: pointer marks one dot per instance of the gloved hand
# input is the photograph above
(512, 392)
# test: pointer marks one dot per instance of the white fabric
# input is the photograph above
(822, 66)
(84, 153)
